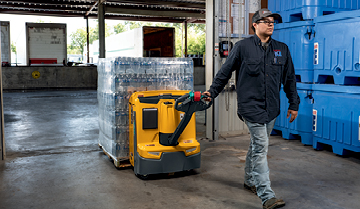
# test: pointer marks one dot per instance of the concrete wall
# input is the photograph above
(63, 77)
(51, 77)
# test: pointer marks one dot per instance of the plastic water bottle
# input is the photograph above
(135, 65)
(168, 79)
(181, 73)
(130, 74)
(125, 65)
(120, 72)
(121, 118)
(150, 74)
(156, 65)
(142, 81)
(161, 74)
(189, 75)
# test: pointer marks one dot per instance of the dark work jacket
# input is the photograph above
(259, 77)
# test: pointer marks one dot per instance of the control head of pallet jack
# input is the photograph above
(189, 103)
(193, 99)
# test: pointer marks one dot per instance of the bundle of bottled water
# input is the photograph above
(118, 78)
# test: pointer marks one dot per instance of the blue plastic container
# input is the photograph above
(299, 36)
(336, 49)
(336, 117)
(297, 10)
(302, 126)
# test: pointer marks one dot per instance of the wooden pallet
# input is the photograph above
(118, 162)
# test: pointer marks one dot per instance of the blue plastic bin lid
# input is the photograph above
(336, 88)
(344, 15)
(304, 86)
(294, 24)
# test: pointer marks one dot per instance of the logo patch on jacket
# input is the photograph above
(277, 53)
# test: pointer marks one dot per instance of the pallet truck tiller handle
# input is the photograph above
(190, 103)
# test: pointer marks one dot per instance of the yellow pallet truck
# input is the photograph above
(162, 131)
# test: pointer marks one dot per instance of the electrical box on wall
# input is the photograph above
(224, 48)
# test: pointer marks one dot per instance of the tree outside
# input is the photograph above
(119, 28)
(78, 38)
(196, 36)
(13, 49)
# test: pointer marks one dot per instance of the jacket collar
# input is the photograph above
(257, 40)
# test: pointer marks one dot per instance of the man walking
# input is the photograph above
(261, 64)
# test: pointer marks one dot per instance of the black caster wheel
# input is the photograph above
(143, 177)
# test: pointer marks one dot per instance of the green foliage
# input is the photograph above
(95, 33)
(196, 39)
(197, 27)
(73, 49)
(196, 36)
(78, 38)
(133, 25)
(119, 28)
(13, 47)
(78, 41)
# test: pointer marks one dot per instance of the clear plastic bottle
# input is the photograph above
(161, 74)
(125, 65)
(150, 74)
(189, 85)
(120, 75)
(130, 74)
(168, 79)
(156, 65)
(181, 73)
(135, 65)
(142, 80)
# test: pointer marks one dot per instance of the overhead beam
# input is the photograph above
(151, 12)
(64, 2)
(93, 7)
(151, 19)
(188, 4)
(45, 7)
(94, 16)
(57, 13)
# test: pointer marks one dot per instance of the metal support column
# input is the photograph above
(186, 36)
(101, 19)
(87, 40)
(2, 136)
(216, 61)
(212, 65)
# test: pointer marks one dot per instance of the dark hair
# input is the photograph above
(252, 27)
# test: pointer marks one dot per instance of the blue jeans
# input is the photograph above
(256, 166)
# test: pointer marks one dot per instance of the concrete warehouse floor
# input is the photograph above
(54, 162)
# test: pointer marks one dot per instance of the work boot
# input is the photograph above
(273, 203)
(250, 188)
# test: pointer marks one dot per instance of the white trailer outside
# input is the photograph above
(146, 41)
(5, 43)
(46, 43)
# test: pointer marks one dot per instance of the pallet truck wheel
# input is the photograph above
(143, 177)
(189, 172)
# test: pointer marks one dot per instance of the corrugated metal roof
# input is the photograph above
(132, 10)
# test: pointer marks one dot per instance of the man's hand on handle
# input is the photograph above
(208, 99)
(293, 114)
